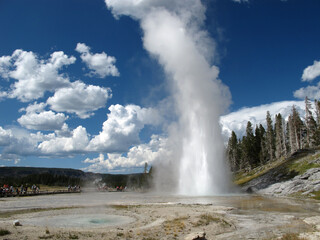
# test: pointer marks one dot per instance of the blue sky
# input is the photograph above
(261, 49)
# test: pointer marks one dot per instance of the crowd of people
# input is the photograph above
(9, 191)
(103, 188)
(74, 188)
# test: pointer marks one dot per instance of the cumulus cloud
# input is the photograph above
(237, 121)
(5, 63)
(80, 99)
(64, 131)
(100, 64)
(5, 136)
(34, 76)
(9, 158)
(311, 72)
(40, 137)
(17, 142)
(121, 129)
(312, 92)
(3, 95)
(76, 143)
(37, 118)
(137, 156)
(35, 107)
(120, 132)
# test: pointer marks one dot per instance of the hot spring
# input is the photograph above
(82, 220)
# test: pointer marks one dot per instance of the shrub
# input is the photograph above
(4, 232)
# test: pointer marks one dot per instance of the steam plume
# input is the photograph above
(173, 35)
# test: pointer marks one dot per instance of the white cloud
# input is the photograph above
(3, 95)
(121, 129)
(137, 156)
(120, 132)
(37, 118)
(34, 76)
(64, 131)
(35, 107)
(237, 121)
(5, 136)
(76, 143)
(4, 66)
(80, 99)
(311, 72)
(100, 64)
(10, 158)
(40, 137)
(17, 142)
(312, 92)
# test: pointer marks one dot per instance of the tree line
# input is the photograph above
(17, 176)
(41, 178)
(280, 139)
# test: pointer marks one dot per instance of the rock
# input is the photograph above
(200, 238)
(315, 221)
(311, 174)
(249, 190)
(16, 223)
(305, 183)
(196, 236)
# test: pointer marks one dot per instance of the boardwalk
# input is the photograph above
(31, 193)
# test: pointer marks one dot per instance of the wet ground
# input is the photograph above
(126, 215)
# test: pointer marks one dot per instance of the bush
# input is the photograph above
(291, 236)
(4, 232)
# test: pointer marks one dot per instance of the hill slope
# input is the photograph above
(25, 171)
(295, 176)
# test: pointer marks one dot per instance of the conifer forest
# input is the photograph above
(278, 139)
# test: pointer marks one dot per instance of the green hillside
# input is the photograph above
(17, 176)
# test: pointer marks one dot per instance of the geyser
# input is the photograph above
(173, 34)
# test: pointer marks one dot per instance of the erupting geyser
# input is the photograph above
(173, 34)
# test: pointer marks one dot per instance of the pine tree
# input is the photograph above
(292, 136)
(241, 162)
(285, 139)
(295, 130)
(310, 123)
(233, 152)
(270, 139)
(145, 170)
(317, 133)
(257, 144)
(248, 146)
(279, 137)
(287, 132)
(317, 106)
(263, 148)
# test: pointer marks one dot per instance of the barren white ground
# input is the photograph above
(94, 215)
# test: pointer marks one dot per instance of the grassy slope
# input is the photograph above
(288, 168)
